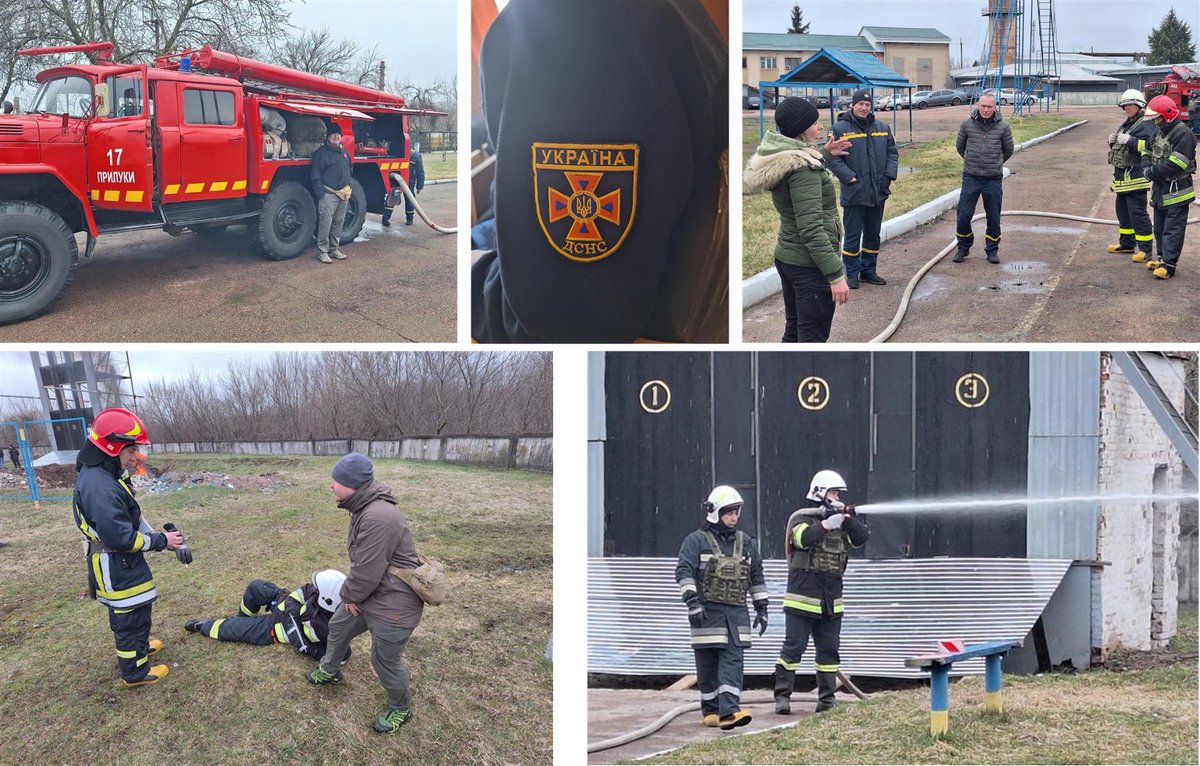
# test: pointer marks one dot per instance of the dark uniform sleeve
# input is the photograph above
(758, 580)
(687, 569)
(113, 524)
(417, 171)
(1175, 164)
(856, 529)
(639, 82)
(809, 533)
(838, 164)
(318, 187)
(893, 155)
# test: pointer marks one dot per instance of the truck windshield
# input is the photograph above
(70, 95)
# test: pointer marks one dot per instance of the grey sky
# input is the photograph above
(416, 38)
(1082, 25)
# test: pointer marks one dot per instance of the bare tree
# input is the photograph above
(316, 51)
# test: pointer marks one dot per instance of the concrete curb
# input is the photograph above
(764, 284)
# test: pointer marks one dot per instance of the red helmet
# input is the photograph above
(117, 428)
(1162, 106)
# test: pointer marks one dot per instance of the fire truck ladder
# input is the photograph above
(1177, 428)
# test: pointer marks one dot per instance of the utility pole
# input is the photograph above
(961, 62)
(381, 69)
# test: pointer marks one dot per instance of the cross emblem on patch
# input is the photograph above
(585, 196)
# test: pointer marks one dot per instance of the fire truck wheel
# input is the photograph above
(37, 260)
(287, 222)
(356, 213)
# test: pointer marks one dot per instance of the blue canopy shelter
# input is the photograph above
(836, 68)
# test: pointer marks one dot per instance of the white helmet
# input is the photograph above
(329, 587)
(1133, 96)
(823, 482)
(719, 499)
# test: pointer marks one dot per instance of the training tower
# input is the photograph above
(79, 384)
(1021, 56)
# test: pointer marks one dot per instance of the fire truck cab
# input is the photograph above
(198, 141)
(1181, 85)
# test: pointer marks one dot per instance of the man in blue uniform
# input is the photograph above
(1170, 166)
(1127, 145)
(116, 537)
(610, 123)
(718, 567)
(818, 542)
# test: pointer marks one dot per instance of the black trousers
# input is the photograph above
(807, 303)
(1170, 225)
(826, 634)
(1134, 221)
(131, 631)
(719, 673)
(249, 627)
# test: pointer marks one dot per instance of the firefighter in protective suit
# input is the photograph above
(116, 537)
(299, 618)
(718, 566)
(1170, 166)
(818, 545)
(1126, 148)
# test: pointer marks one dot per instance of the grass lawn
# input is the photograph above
(481, 686)
(1093, 717)
(440, 165)
(936, 169)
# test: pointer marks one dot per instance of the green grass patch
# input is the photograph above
(936, 169)
(481, 686)
(440, 165)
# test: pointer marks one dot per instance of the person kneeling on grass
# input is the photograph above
(299, 618)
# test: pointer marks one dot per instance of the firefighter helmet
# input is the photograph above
(329, 588)
(823, 482)
(1162, 106)
(1132, 96)
(719, 499)
(115, 429)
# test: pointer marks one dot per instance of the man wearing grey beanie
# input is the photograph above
(373, 597)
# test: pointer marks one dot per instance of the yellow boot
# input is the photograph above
(739, 718)
(1153, 264)
(155, 645)
(156, 674)
(1139, 256)
(1119, 249)
(712, 720)
(1162, 273)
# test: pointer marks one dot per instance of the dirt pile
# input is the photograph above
(169, 480)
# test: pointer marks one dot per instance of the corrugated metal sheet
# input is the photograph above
(895, 609)
(1064, 452)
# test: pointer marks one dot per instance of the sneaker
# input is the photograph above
(872, 278)
(852, 281)
(338, 255)
(712, 720)
(1162, 273)
(319, 676)
(155, 646)
(392, 720)
(993, 257)
(739, 718)
(324, 258)
(1120, 249)
(1140, 257)
(192, 626)
(960, 256)
(154, 675)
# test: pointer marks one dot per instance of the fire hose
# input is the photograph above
(912, 283)
(673, 713)
(398, 180)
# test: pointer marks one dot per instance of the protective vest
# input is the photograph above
(1163, 148)
(1125, 156)
(830, 557)
(109, 517)
(1177, 148)
(726, 578)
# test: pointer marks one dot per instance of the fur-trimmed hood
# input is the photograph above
(776, 158)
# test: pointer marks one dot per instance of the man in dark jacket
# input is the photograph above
(818, 542)
(117, 536)
(374, 597)
(611, 208)
(416, 182)
(299, 618)
(1170, 166)
(1126, 148)
(718, 567)
(331, 175)
(14, 456)
(866, 176)
(984, 142)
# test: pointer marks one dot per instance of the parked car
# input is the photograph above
(944, 97)
(821, 102)
(888, 103)
(1009, 96)
(843, 102)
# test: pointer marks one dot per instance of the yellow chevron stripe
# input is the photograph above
(95, 194)
(112, 195)
(264, 186)
(134, 196)
(193, 188)
(171, 189)
(218, 186)
(239, 185)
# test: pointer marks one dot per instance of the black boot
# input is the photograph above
(826, 686)
(872, 278)
(784, 681)
(960, 256)
(852, 281)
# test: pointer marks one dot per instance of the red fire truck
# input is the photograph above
(199, 140)
(1181, 85)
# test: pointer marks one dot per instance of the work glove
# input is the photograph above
(695, 611)
(183, 553)
(1149, 173)
(1123, 138)
(1112, 138)
(834, 522)
(760, 617)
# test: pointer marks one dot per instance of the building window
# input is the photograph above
(743, 62)
(766, 62)
(790, 64)
(208, 107)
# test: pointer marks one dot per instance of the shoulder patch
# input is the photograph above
(585, 196)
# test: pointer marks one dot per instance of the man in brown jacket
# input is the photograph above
(373, 597)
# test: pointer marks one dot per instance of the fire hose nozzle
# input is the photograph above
(183, 553)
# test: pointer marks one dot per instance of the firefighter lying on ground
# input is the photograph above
(299, 618)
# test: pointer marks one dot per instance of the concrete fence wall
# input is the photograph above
(530, 452)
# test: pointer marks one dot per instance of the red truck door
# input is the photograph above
(207, 147)
(119, 158)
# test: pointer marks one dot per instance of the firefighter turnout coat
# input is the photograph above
(1171, 164)
(293, 618)
(724, 624)
(873, 160)
(111, 521)
(817, 560)
(1127, 160)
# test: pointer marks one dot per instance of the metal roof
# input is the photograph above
(905, 34)
(895, 609)
(767, 41)
(832, 66)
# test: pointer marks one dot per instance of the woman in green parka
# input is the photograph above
(791, 165)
